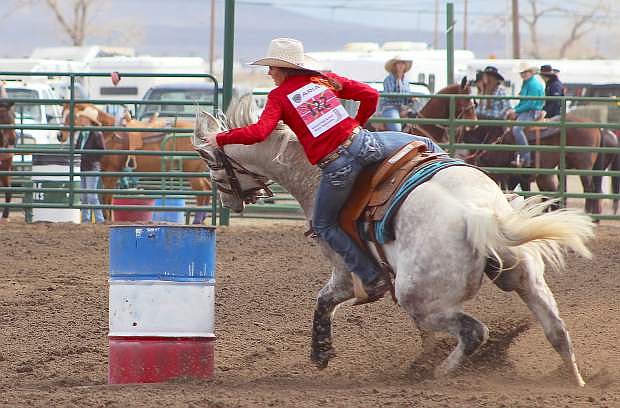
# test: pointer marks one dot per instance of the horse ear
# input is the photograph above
(464, 83)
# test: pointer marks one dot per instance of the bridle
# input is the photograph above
(460, 114)
(232, 185)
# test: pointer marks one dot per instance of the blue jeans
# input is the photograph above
(90, 182)
(337, 180)
(519, 134)
(392, 112)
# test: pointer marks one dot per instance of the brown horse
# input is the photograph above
(609, 161)
(150, 141)
(7, 140)
(439, 108)
(587, 137)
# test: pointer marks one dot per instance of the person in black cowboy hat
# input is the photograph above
(553, 87)
(492, 82)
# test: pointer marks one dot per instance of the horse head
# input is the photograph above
(85, 114)
(465, 108)
(236, 184)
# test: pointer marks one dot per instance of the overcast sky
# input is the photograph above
(421, 13)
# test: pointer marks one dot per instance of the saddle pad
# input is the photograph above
(384, 230)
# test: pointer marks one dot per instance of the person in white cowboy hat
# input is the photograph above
(395, 82)
(90, 161)
(308, 101)
(526, 110)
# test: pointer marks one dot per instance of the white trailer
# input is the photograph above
(136, 87)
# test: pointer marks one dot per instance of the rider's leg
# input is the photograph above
(393, 141)
(520, 138)
(336, 183)
(84, 200)
(392, 112)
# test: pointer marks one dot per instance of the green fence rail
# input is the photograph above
(452, 146)
(169, 182)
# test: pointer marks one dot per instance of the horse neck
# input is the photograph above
(292, 169)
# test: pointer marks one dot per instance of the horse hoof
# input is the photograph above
(321, 359)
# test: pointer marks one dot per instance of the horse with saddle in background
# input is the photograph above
(446, 231)
(141, 141)
(7, 140)
(546, 136)
(438, 108)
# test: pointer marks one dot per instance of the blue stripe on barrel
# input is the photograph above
(167, 252)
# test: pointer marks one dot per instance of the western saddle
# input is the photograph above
(371, 198)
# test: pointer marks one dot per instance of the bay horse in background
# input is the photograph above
(439, 108)
(150, 141)
(585, 137)
(609, 161)
(7, 140)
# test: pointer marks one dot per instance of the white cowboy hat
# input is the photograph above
(526, 67)
(91, 113)
(287, 53)
(391, 63)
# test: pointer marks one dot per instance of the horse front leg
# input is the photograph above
(4, 182)
(338, 290)
(203, 185)
(108, 183)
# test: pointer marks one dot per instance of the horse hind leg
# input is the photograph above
(470, 333)
(526, 278)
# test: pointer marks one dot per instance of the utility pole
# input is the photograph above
(212, 45)
(516, 43)
(436, 33)
(465, 26)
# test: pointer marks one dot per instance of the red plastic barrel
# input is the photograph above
(157, 359)
(132, 215)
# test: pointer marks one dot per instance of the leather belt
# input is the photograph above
(325, 161)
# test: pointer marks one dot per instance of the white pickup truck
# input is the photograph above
(34, 113)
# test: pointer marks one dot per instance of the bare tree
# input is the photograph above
(73, 22)
(532, 25)
(582, 23)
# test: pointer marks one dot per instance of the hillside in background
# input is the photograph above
(168, 28)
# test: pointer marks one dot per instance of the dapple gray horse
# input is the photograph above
(448, 231)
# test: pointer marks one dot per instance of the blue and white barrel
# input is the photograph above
(161, 303)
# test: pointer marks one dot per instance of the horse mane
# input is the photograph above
(451, 89)
(244, 111)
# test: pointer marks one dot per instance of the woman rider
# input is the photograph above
(308, 102)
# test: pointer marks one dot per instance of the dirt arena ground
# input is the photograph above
(53, 323)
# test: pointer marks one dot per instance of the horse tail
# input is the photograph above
(529, 228)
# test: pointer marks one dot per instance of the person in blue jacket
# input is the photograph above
(553, 87)
(526, 110)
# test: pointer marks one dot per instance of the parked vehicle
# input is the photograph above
(187, 92)
(34, 113)
(136, 87)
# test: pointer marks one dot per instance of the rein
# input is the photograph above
(444, 128)
(477, 154)
(232, 168)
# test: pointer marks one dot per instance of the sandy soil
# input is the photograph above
(53, 319)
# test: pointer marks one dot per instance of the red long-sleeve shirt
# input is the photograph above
(312, 110)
